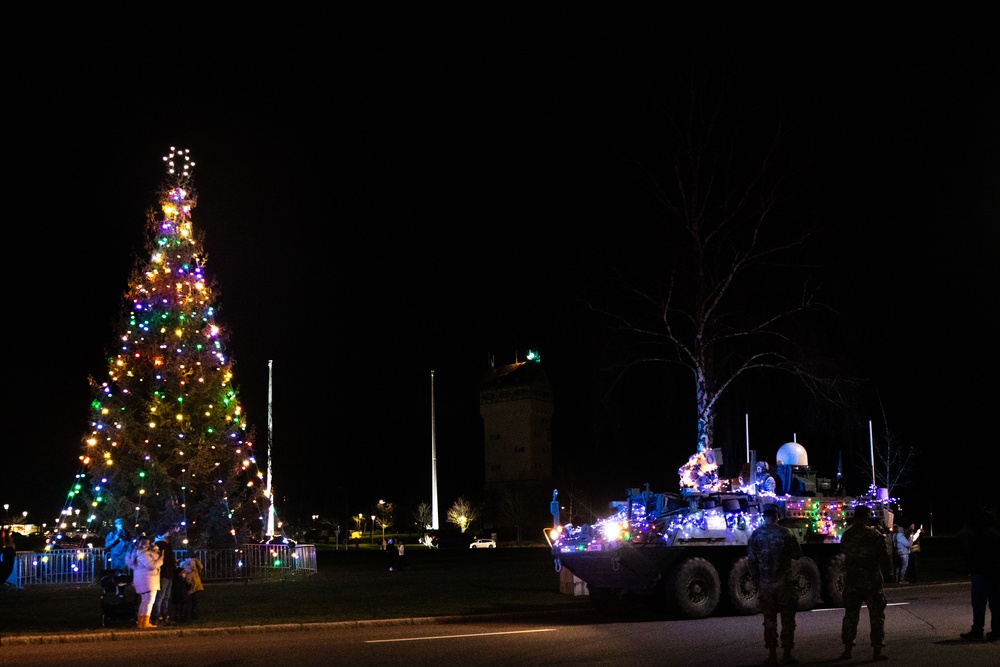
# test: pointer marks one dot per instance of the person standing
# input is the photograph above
(770, 553)
(180, 596)
(913, 569)
(9, 557)
(145, 561)
(901, 549)
(191, 569)
(393, 554)
(980, 540)
(116, 544)
(168, 570)
(865, 557)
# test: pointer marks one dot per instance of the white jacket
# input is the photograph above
(145, 569)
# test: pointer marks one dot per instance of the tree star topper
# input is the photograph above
(178, 197)
(186, 166)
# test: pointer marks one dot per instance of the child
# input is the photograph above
(190, 570)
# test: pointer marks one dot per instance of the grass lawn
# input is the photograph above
(350, 585)
(356, 585)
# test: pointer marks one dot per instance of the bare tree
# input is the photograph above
(514, 507)
(422, 515)
(728, 290)
(462, 514)
(893, 462)
(384, 515)
(890, 459)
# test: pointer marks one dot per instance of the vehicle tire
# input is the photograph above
(609, 601)
(833, 581)
(807, 583)
(693, 588)
(741, 592)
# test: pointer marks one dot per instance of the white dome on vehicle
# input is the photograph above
(792, 454)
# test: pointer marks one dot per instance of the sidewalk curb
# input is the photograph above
(129, 634)
(134, 634)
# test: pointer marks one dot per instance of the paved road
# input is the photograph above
(923, 624)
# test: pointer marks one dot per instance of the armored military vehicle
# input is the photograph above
(686, 551)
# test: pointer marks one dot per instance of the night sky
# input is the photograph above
(387, 194)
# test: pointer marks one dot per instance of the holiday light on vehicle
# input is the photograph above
(688, 548)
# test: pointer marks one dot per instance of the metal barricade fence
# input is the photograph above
(60, 566)
(84, 565)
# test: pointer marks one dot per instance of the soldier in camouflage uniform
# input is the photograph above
(865, 557)
(770, 552)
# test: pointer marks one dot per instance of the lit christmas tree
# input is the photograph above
(169, 445)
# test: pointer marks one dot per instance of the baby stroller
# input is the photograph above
(119, 601)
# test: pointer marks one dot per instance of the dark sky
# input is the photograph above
(384, 194)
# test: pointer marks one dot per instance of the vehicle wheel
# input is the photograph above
(833, 581)
(807, 583)
(609, 601)
(493, 546)
(693, 588)
(741, 592)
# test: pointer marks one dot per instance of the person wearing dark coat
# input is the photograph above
(168, 571)
(980, 539)
(393, 553)
(9, 555)
(865, 558)
(913, 570)
(770, 553)
(180, 597)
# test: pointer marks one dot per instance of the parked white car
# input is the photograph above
(483, 543)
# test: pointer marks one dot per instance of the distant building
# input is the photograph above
(515, 402)
(22, 528)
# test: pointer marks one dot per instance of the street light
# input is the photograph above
(373, 530)
(381, 508)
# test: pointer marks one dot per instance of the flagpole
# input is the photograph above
(871, 444)
(270, 491)
(434, 470)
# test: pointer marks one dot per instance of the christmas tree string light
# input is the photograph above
(169, 443)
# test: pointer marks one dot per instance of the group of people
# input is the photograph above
(772, 548)
(906, 553)
(162, 583)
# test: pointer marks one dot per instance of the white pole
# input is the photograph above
(434, 464)
(871, 445)
(748, 437)
(270, 492)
